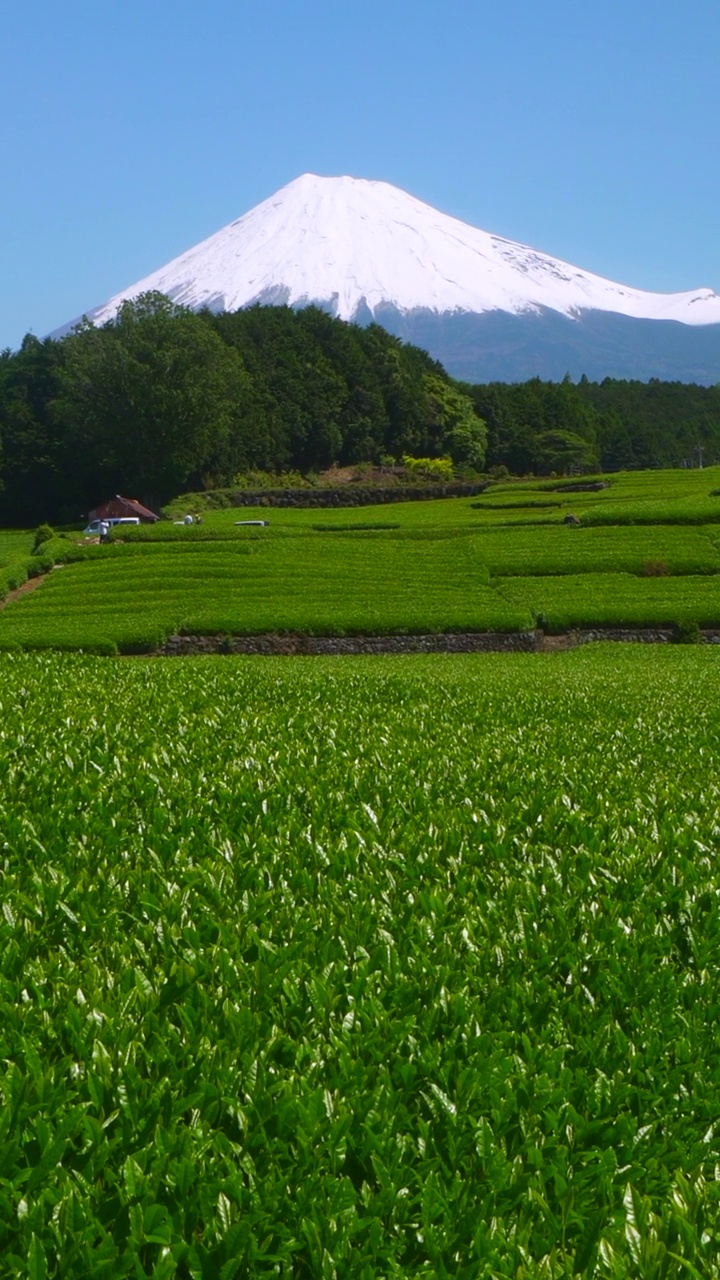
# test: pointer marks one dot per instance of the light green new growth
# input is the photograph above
(360, 968)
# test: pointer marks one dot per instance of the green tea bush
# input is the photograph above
(39, 564)
(366, 968)
(43, 533)
(653, 511)
(688, 632)
(616, 600)
(131, 594)
(359, 526)
(67, 550)
(12, 578)
(654, 569)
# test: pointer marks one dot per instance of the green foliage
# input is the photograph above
(429, 468)
(357, 526)
(38, 564)
(445, 565)
(13, 577)
(459, 430)
(132, 595)
(264, 480)
(151, 399)
(553, 550)
(43, 533)
(616, 600)
(38, 472)
(655, 511)
(161, 399)
(14, 544)
(624, 424)
(688, 632)
(654, 569)
(374, 968)
(561, 452)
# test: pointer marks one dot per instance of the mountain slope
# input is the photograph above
(366, 250)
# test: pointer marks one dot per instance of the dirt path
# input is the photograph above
(30, 585)
(557, 644)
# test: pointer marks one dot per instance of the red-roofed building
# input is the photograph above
(118, 507)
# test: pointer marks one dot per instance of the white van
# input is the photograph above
(111, 522)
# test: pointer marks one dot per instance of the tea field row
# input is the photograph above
(633, 497)
(554, 549)
(399, 967)
(615, 600)
(131, 595)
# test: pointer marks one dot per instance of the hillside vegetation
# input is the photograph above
(162, 400)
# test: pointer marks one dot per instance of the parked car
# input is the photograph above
(94, 526)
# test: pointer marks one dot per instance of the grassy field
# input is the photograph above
(411, 567)
(359, 968)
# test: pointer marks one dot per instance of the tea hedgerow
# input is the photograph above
(360, 967)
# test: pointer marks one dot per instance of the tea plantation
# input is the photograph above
(359, 968)
(504, 562)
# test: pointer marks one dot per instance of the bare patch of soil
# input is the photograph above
(30, 585)
(558, 644)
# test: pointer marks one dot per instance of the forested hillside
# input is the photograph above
(541, 427)
(163, 400)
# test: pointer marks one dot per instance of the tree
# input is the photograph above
(563, 452)
(456, 426)
(151, 399)
(35, 478)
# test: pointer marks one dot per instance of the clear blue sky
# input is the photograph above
(131, 130)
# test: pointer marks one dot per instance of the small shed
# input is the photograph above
(118, 507)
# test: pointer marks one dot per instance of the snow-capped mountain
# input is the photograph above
(367, 250)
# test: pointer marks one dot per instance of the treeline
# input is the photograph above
(163, 400)
(540, 427)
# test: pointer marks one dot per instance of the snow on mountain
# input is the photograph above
(355, 245)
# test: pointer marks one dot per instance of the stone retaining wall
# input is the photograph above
(347, 496)
(474, 642)
(467, 642)
(644, 635)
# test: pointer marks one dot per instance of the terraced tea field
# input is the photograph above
(454, 565)
(615, 600)
(15, 548)
(140, 595)
(14, 543)
(360, 968)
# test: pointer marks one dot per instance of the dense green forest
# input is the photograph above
(614, 425)
(161, 400)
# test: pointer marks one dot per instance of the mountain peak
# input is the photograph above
(483, 305)
(359, 246)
